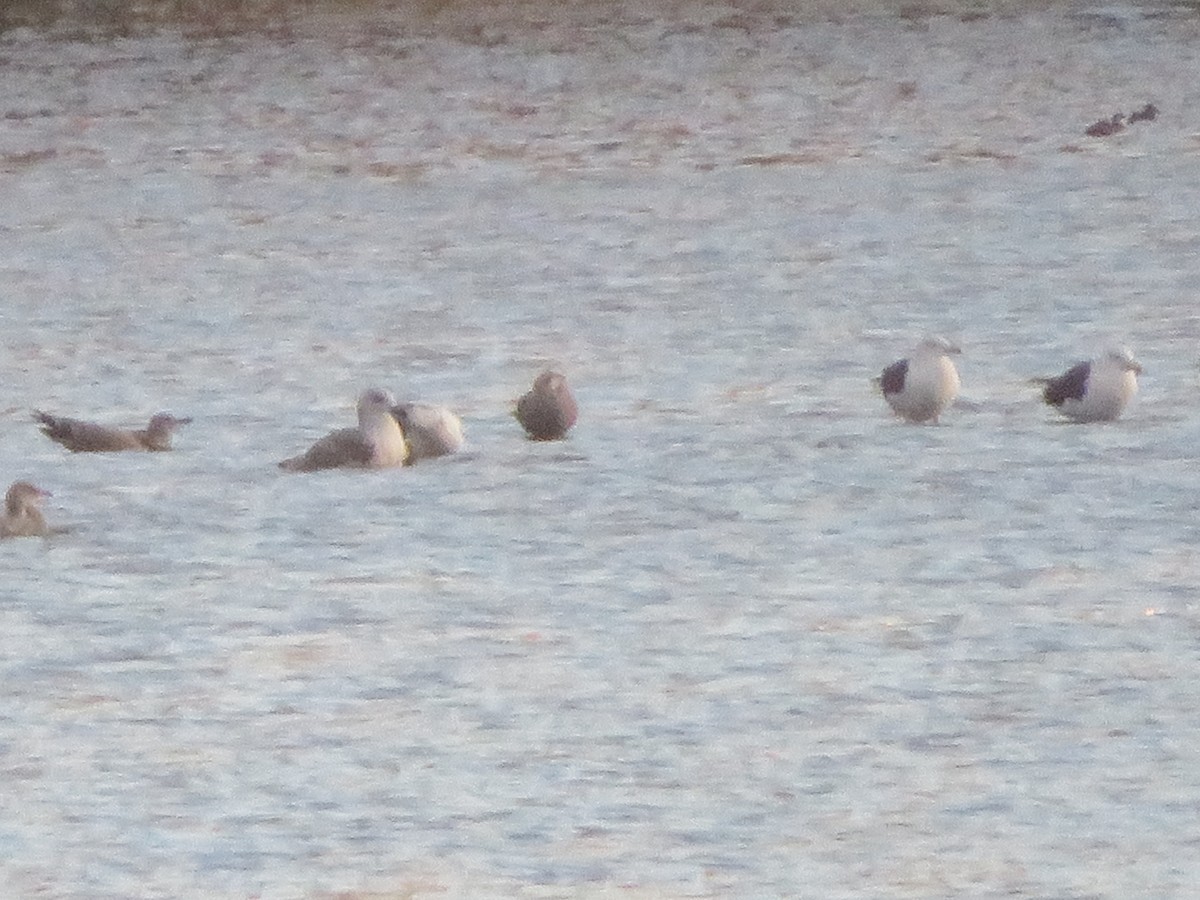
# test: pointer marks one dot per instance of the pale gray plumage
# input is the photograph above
(431, 431)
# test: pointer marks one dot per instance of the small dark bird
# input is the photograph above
(87, 437)
(548, 410)
(1105, 127)
(1147, 113)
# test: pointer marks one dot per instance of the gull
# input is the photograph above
(431, 431)
(377, 442)
(22, 517)
(1097, 390)
(547, 411)
(84, 437)
(921, 386)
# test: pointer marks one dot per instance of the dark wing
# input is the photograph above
(892, 380)
(85, 436)
(1071, 385)
(340, 449)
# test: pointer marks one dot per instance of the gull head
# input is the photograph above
(1123, 359)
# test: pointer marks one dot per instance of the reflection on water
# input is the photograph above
(743, 634)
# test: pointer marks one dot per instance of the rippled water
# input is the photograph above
(744, 634)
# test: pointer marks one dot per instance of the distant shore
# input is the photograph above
(83, 18)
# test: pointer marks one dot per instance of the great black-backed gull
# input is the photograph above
(1097, 390)
(921, 386)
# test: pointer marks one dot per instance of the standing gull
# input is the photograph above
(22, 517)
(921, 386)
(548, 410)
(376, 443)
(431, 431)
(81, 437)
(1097, 390)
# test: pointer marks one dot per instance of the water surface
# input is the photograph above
(743, 634)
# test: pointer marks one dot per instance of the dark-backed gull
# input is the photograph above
(921, 386)
(1097, 390)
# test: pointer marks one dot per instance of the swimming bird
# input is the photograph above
(431, 431)
(83, 437)
(547, 411)
(377, 442)
(1097, 390)
(1105, 127)
(22, 517)
(921, 386)
(1147, 113)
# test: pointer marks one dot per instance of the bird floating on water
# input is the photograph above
(1116, 123)
(1097, 390)
(1106, 127)
(1147, 113)
(22, 515)
(548, 410)
(88, 437)
(377, 441)
(921, 386)
(431, 431)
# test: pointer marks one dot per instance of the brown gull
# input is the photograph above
(88, 437)
(547, 411)
(22, 517)
(377, 442)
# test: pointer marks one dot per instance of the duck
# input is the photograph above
(1147, 113)
(1105, 127)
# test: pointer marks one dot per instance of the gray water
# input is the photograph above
(743, 634)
